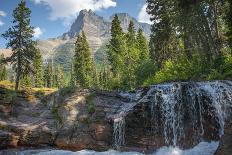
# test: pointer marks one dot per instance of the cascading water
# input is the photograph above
(119, 133)
(220, 95)
(119, 119)
(180, 112)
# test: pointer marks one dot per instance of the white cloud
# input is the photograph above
(37, 32)
(2, 14)
(68, 9)
(143, 15)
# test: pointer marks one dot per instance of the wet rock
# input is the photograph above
(8, 139)
(225, 145)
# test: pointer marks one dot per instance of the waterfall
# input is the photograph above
(220, 95)
(119, 133)
(170, 97)
(180, 107)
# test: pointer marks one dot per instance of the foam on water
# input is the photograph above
(203, 148)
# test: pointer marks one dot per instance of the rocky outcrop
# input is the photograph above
(225, 145)
(180, 114)
(73, 122)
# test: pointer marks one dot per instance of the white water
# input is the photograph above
(119, 133)
(202, 148)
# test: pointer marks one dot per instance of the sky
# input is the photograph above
(52, 18)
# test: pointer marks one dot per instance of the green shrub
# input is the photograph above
(67, 90)
(89, 101)
(223, 70)
(91, 109)
(56, 115)
(174, 70)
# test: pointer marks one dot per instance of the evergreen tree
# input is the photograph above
(3, 71)
(116, 47)
(38, 70)
(229, 21)
(145, 68)
(72, 82)
(142, 46)
(60, 82)
(3, 75)
(48, 75)
(83, 62)
(26, 76)
(20, 40)
(131, 58)
(163, 42)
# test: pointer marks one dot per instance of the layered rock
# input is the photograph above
(178, 114)
(59, 120)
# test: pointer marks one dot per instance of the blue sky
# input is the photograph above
(52, 18)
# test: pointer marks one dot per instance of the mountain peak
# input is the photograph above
(97, 28)
(86, 12)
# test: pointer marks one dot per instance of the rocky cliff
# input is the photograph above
(176, 114)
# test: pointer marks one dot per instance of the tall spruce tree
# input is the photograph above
(131, 57)
(38, 70)
(116, 50)
(60, 82)
(142, 46)
(83, 62)
(48, 75)
(72, 81)
(116, 47)
(145, 68)
(20, 41)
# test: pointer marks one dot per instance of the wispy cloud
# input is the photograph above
(2, 14)
(68, 9)
(143, 15)
(37, 32)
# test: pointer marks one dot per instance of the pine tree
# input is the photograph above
(229, 21)
(3, 75)
(38, 70)
(72, 82)
(26, 76)
(117, 48)
(3, 72)
(20, 40)
(83, 62)
(142, 46)
(60, 83)
(131, 57)
(48, 75)
(145, 67)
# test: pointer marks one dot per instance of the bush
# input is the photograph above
(67, 90)
(223, 70)
(175, 70)
(183, 69)
(89, 101)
